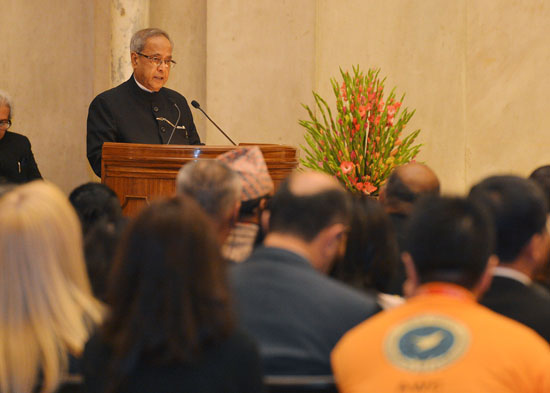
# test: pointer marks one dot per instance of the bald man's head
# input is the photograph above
(406, 184)
(308, 202)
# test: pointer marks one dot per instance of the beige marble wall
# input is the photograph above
(476, 72)
(47, 50)
(185, 21)
(508, 63)
(260, 67)
(420, 47)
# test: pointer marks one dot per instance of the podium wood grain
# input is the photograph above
(141, 173)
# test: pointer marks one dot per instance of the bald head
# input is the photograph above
(419, 178)
(406, 184)
(311, 183)
(306, 203)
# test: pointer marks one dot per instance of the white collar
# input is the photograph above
(513, 274)
(141, 86)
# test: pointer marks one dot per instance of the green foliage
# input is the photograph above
(363, 144)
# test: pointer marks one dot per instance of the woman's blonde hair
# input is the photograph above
(46, 306)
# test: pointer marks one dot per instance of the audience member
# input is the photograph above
(257, 188)
(441, 340)
(371, 255)
(404, 187)
(45, 299)
(284, 298)
(171, 327)
(17, 164)
(523, 246)
(216, 188)
(541, 176)
(100, 214)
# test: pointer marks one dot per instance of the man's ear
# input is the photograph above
(486, 278)
(538, 249)
(133, 59)
(330, 243)
(264, 221)
(412, 282)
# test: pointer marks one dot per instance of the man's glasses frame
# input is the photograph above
(158, 61)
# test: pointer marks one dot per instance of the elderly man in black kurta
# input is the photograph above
(17, 164)
(141, 110)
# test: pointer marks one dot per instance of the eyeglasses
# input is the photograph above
(5, 124)
(158, 61)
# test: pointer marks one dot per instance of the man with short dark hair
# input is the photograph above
(283, 297)
(141, 110)
(441, 340)
(404, 187)
(523, 247)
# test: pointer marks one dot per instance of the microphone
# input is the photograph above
(197, 105)
(175, 125)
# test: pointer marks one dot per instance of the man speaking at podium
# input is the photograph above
(141, 110)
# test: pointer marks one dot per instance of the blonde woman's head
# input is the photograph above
(45, 299)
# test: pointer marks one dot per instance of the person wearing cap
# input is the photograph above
(257, 188)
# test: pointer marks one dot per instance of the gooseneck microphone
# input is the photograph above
(175, 125)
(197, 105)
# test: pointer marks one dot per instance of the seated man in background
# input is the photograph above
(523, 245)
(541, 176)
(17, 164)
(441, 340)
(405, 185)
(216, 188)
(258, 187)
(283, 296)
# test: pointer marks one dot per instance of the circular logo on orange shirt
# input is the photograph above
(427, 343)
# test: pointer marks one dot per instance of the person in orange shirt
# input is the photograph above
(441, 340)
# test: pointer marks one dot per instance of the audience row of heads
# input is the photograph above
(450, 239)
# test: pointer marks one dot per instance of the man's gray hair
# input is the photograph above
(215, 186)
(137, 43)
(5, 100)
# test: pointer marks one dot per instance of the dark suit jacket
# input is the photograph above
(17, 164)
(295, 313)
(529, 305)
(129, 114)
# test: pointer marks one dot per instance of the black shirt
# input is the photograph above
(129, 114)
(17, 164)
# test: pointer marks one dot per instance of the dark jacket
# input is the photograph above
(296, 313)
(17, 164)
(527, 304)
(129, 114)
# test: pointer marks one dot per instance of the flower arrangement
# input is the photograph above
(365, 142)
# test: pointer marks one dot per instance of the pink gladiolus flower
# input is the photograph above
(377, 120)
(363, 111)
(369, 187)
(340, 121)
(391, 110)
(353, 155)
(346, 167)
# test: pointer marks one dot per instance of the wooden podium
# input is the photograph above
(140, 173)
